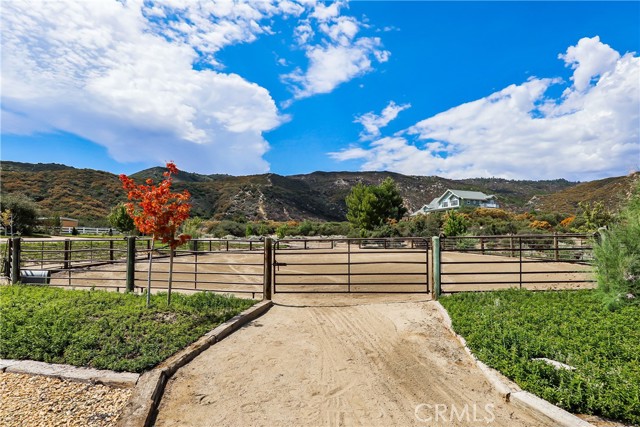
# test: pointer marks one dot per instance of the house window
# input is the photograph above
(454, 202)
(445, 204)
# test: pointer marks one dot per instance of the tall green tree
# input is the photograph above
(617, 257)
(23, 212)
(120, 219)
(371, 206)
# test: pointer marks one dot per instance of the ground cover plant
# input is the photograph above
(105, 330)
(508, 329)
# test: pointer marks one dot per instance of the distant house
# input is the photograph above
(454, 199)
(64, 222)
(68, 222)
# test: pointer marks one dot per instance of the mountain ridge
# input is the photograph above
(89, 194)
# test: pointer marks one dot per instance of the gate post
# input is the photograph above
(268, 257)
(131, 263)
(435, 252)
(15, 260)
(67, 254)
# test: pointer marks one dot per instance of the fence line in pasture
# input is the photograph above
(253, 267)
(551, 261)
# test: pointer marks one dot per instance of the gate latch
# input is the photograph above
(277, 264)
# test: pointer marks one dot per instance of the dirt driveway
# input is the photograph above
(331, 360)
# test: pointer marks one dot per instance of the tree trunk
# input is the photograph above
(153, 243)
(170, 275)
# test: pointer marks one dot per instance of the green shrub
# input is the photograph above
(282, 231)
(105, 330)
(226, 228)
(455, 224)
(507, 330)
(617, 258)
(305, 229)
(426, 225)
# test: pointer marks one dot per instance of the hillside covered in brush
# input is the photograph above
(89, 194)
(612, 192)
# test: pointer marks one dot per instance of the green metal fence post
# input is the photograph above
(15, 260)
(435, 252)
(268, 257)
(131, 263)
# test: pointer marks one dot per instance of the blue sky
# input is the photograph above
(519, 90)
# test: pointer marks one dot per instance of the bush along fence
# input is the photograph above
(255, 267)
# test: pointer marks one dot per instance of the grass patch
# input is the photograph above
(507, 329)
(105, 330)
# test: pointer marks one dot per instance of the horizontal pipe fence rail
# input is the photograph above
(525, 261)
(215, 265)
(399, 265)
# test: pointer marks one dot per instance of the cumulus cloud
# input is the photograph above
(143, 78)
(372, 122)
(591, 132)
(337, 57)
(106, 71)
(331, 65)
(589, 59)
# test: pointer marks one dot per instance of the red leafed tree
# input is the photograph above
(158, 212)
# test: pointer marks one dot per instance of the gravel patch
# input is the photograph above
(27, 400)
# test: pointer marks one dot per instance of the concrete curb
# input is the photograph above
(142, 408)
(513, 394)
(71, 373)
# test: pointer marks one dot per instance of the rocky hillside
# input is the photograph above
(89, 194)
(611, 191)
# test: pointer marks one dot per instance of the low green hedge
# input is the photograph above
(105, 330)
(507, 329)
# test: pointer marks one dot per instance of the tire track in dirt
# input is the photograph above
(335, 360)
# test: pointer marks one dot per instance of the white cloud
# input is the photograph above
(337, 57)
(341, 31)
(323, 12)
(303, 33)
(103, 71)
(334, 64)
(518, 133)
(372, 122)
(590, 58)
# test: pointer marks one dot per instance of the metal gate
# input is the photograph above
(389, 265)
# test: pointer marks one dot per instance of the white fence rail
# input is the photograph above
(88, 230)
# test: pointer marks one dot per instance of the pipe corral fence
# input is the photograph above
(536, 262)
(255, 268)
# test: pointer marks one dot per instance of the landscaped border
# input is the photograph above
(512, 393)
(142, 408)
